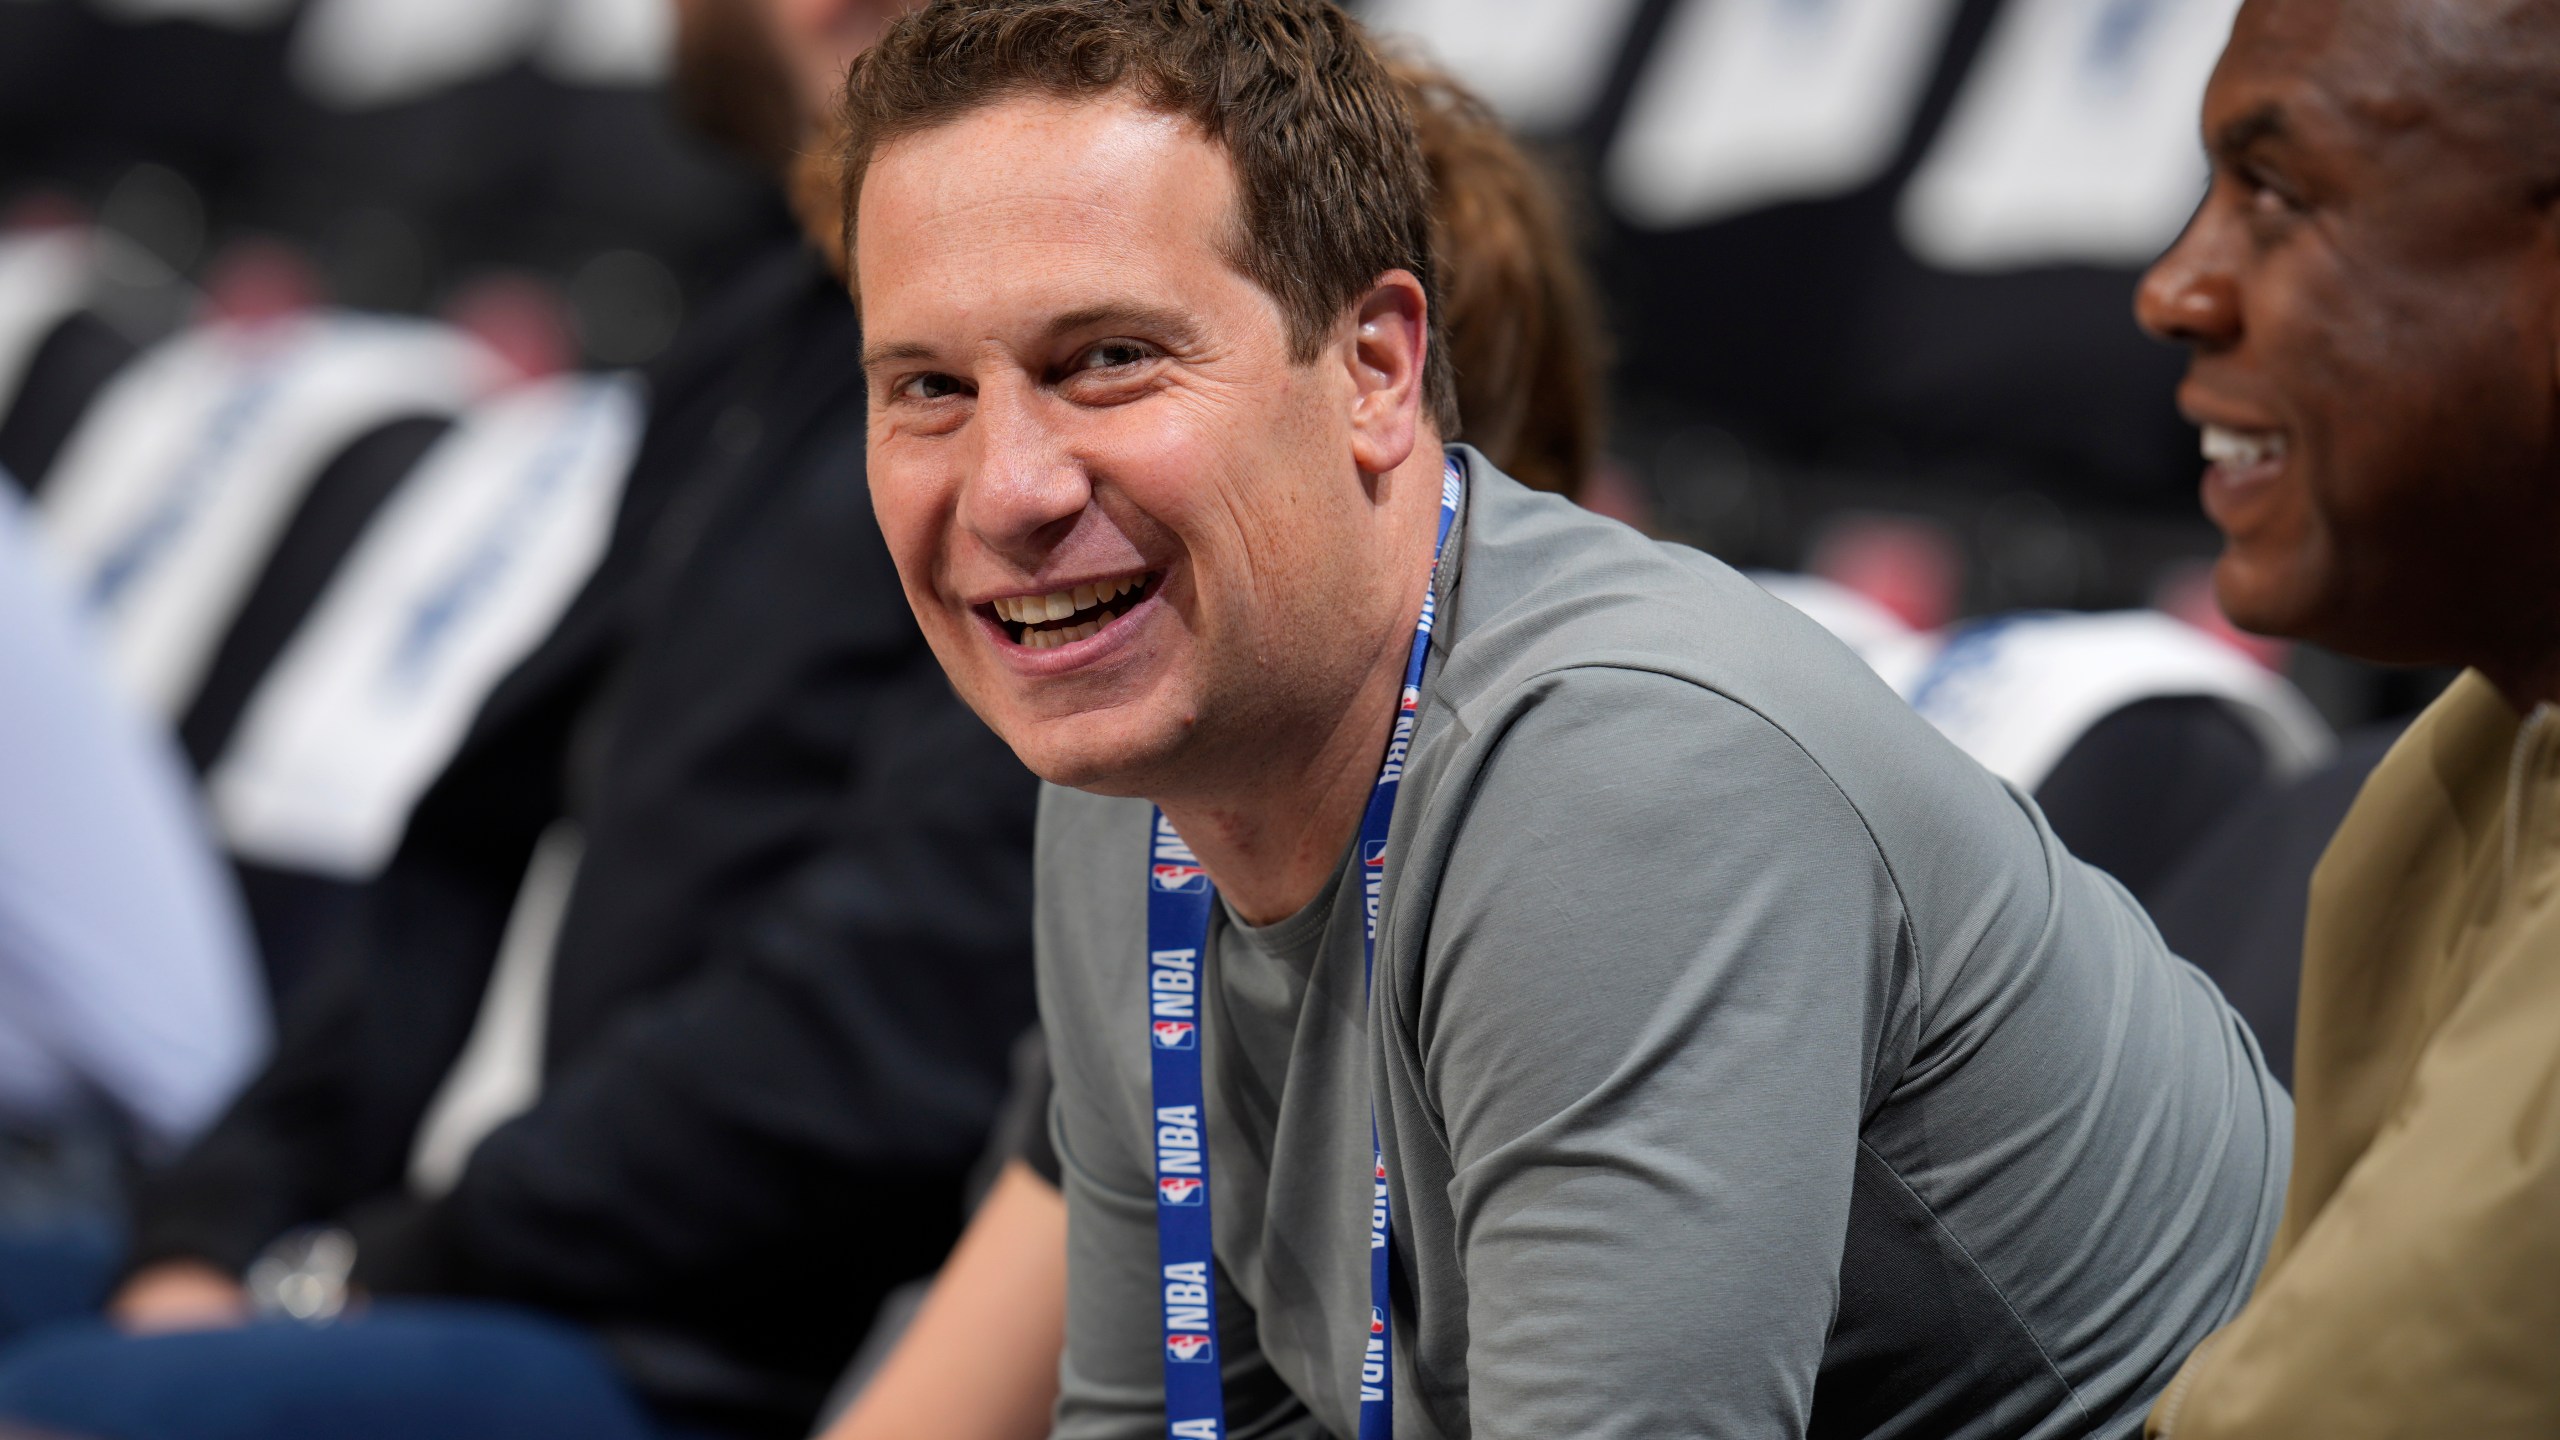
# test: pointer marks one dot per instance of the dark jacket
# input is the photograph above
(792, 963)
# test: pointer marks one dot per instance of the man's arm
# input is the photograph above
(271, 1162)
(363, 1040)
(981, 1360)
(1663, 946)
(804, 1105)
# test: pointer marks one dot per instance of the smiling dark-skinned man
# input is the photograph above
(2372, 295)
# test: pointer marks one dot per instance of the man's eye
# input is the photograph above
(928, 387)
(2265, 196)
(1113, 355)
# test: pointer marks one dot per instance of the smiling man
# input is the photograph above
(1740, 1059)
(2372, 294)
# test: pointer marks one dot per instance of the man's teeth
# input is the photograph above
(2224, 446)
(1060, 604)
(1052, 639)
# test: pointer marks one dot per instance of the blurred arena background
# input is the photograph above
(1867, 262)
(272, 270)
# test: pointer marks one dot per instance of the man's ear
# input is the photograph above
(1390, 343)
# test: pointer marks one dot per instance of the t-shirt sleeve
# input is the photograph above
(1662, 955)
(1025, 1127)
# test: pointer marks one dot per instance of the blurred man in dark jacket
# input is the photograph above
(730, 847)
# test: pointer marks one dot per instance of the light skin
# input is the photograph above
(2371, 295)
(1071, 381)
(812, 42)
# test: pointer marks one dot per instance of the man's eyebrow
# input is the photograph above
(2265, 123)
(1157, 321)
(1137, 317)
(879, 355)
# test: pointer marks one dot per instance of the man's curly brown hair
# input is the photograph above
(1332, 190)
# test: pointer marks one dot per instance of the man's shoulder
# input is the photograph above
(1553, 602)
(1587, 659)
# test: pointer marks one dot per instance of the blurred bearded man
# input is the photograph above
(1734, 1057)
(790, 876)
(2371, 293)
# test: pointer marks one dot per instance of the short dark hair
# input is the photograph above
(1331, 184)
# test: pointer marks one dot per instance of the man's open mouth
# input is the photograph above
(1062, 617)
(2242, 449)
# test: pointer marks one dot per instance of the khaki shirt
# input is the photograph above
(2414, 1289)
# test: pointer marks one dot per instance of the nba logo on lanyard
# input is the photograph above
(1182, 879)
(1179, 898)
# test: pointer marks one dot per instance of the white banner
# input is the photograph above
(459, 577)
(44, 276)
(1748, 103)
(171, 494)
(360, 54)
(1541, 63)
(2075, 141)
(610, 42)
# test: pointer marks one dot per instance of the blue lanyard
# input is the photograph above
(1179, 899)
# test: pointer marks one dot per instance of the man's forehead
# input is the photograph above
(1037, 215)
(2389, 65)
(1033, 179)
(1037, 150)
(2287, 56)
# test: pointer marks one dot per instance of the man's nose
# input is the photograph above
(1027, 488)
(2188, 297)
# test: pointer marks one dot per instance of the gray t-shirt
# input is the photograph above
(1748, 1062)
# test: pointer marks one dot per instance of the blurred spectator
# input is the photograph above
(129, 1003)
(748, 1008)
(2135, 732)
(2366, 296)
(395, 603)
(2237, 902)
(1523, 319)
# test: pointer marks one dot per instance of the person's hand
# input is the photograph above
(179, 1295)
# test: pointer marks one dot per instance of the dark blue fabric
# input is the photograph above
(419, 1370)
(55, 1270)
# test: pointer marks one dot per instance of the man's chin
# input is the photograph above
(2263, 597)
(1106, 752)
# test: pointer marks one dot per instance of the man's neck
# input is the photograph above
(2527, 684)
(1274, 843)
(1272, 830)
